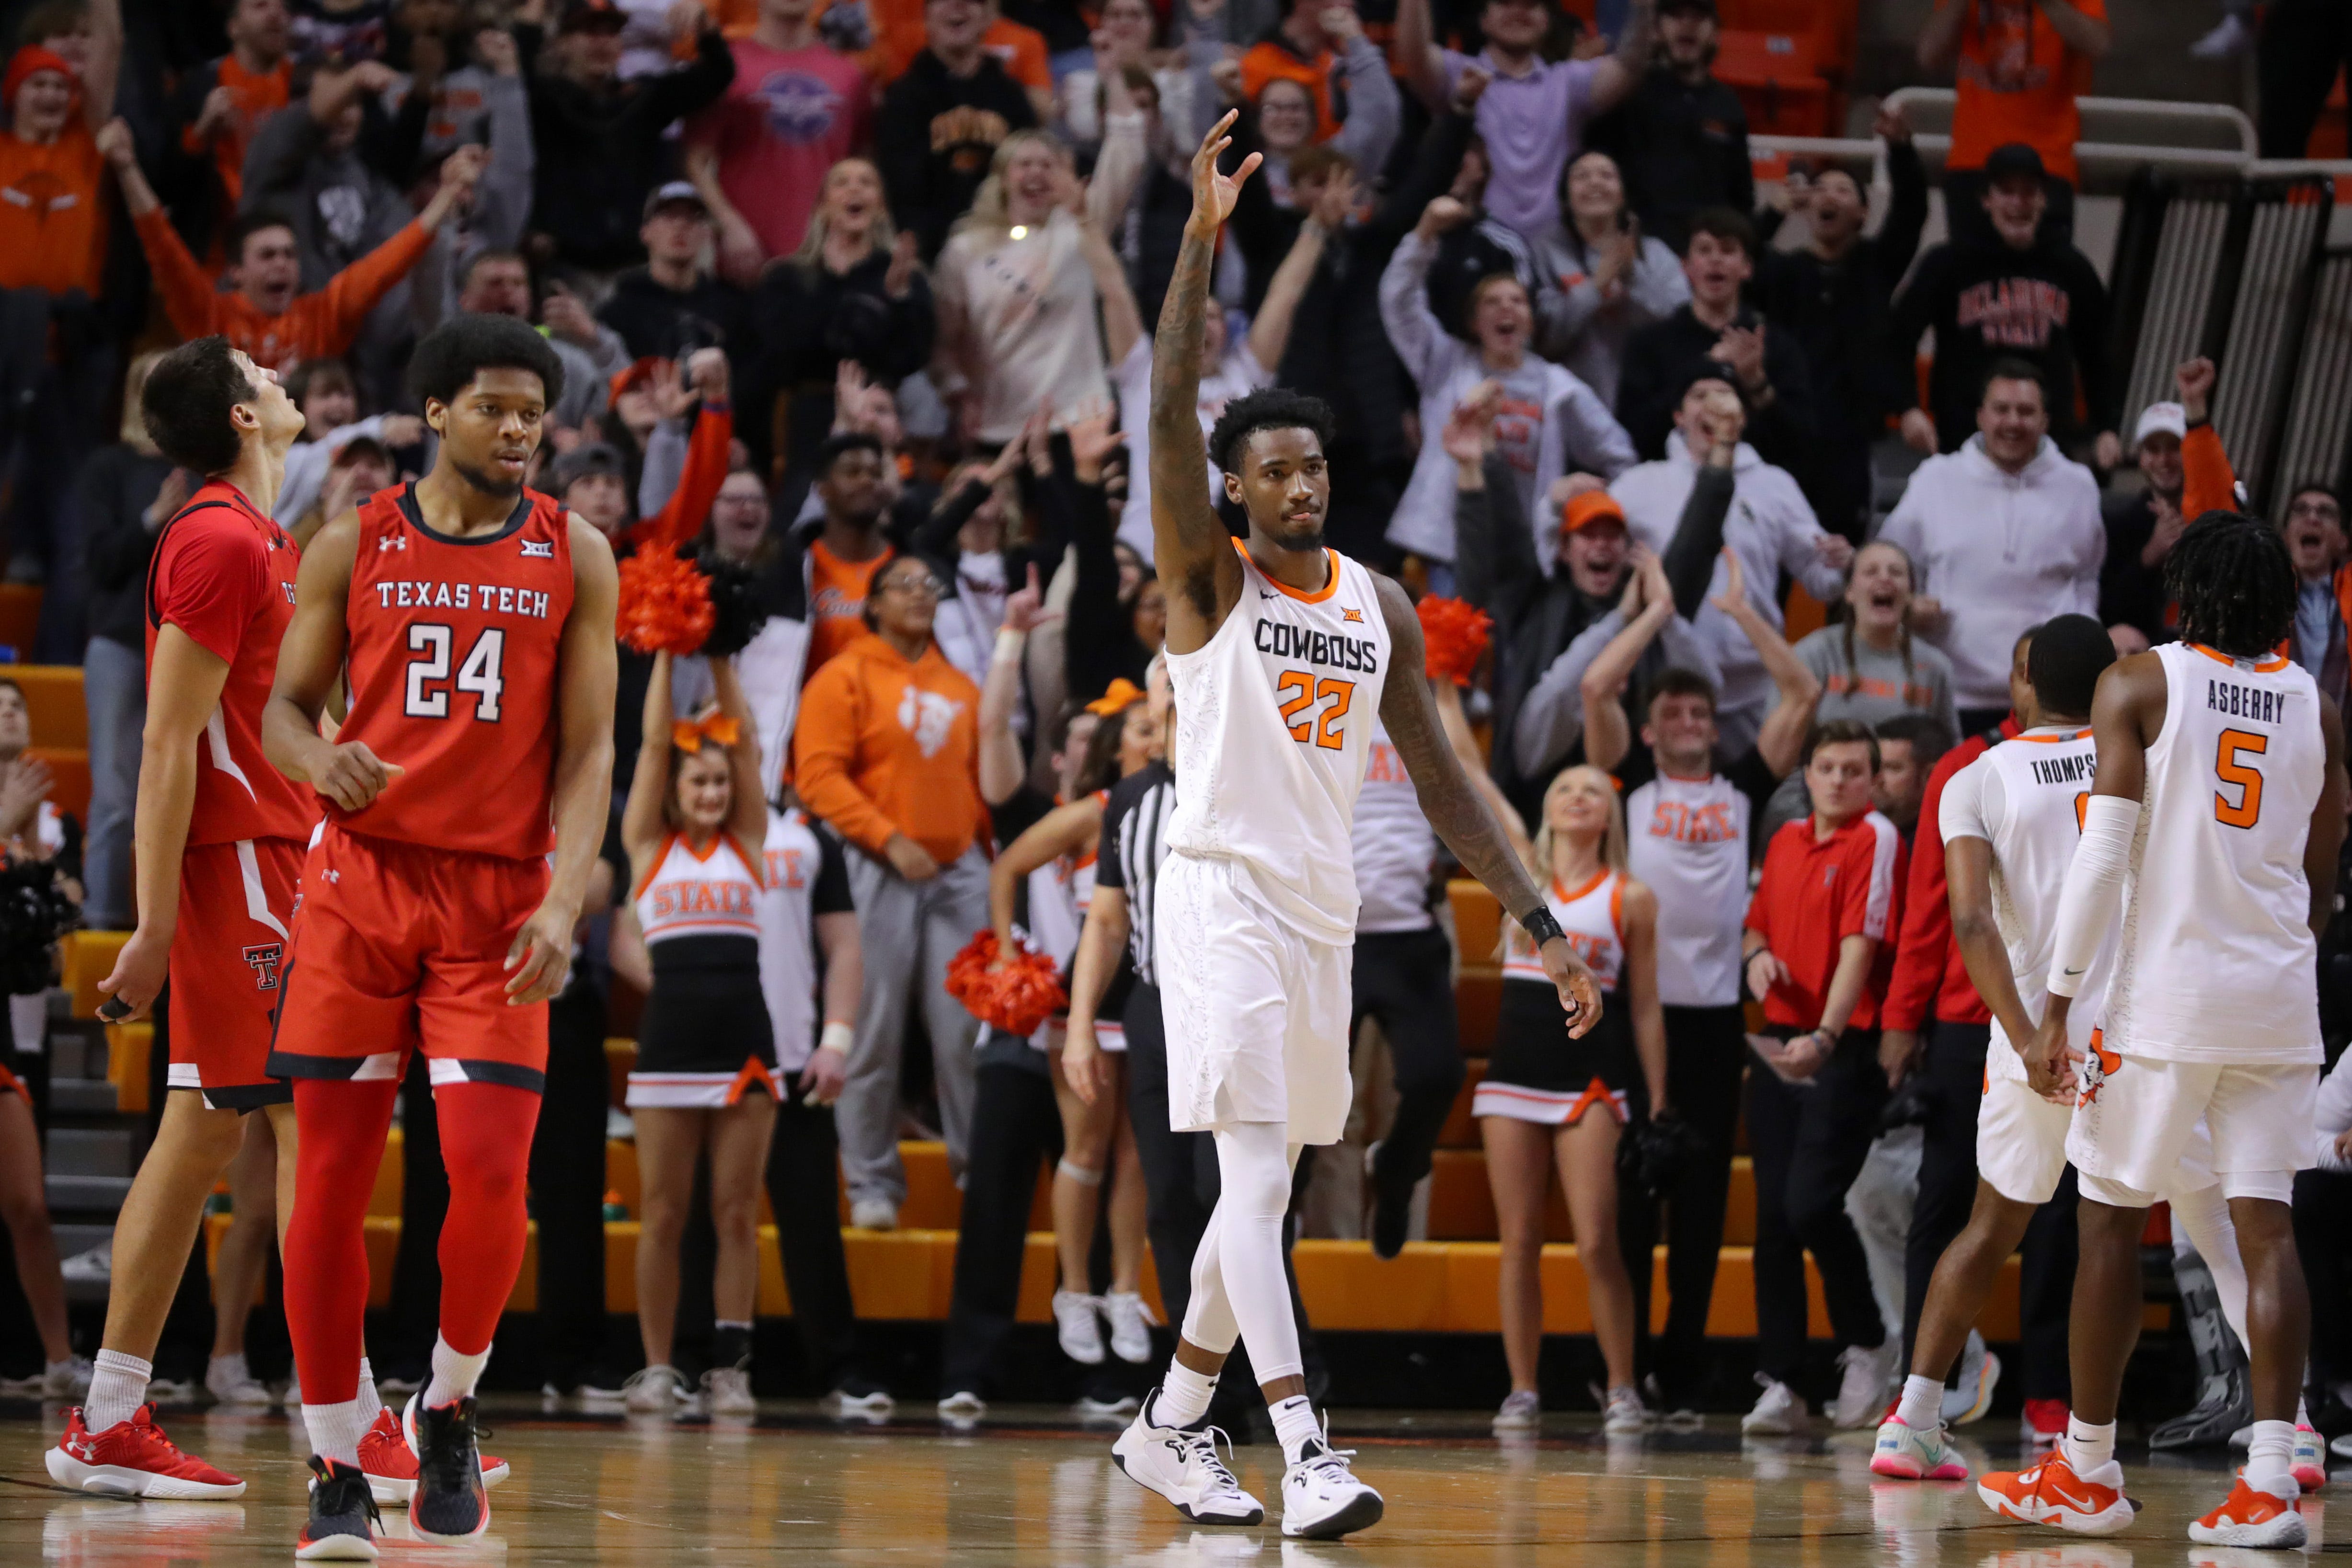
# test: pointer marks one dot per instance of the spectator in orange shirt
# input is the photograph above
(53, 248)
(215, 110)
(261, 314)
(888, 753)
(2020, 65)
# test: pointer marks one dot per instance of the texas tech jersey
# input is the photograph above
(1274, 727)
(454, 649)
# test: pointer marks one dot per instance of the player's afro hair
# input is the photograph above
(2235, 584)
(461, 348)
(2068, 655)
(1276, 408)
(187, 401)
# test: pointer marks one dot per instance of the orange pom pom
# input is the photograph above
(665, 603)
(1015, 998)
(1455, 634)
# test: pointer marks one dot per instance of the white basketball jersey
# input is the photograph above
(2217, 961)
(713, 893)
(1592, 918)
(788, 971)
(2025, 798)
(1273, 728)
(1396, 846)
(1687, 840)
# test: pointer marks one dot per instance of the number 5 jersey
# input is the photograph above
(454, 650)
(2217, 960)
(1275, 719)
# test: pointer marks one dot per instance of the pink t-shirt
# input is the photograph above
(788, 116)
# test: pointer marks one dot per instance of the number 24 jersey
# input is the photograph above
(2217, 961)
(454, 650)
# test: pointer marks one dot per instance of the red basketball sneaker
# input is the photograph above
(2251, 1517)
(2052, 1494)
(391, 1464)
(133, 1460)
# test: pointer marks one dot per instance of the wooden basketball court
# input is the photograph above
(1031, 1487)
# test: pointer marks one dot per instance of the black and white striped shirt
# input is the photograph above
(1134, 842)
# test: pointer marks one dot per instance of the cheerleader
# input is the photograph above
(1111, 738)
(706, 1073)
(1549, 1098)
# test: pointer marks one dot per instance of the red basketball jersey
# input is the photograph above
(224, 574)
(454, 650)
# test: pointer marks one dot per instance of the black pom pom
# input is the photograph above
(35, 911)
(734, 599)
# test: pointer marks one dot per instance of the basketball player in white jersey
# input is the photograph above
(2010, 822)
(1279, 648)
(2219, 808)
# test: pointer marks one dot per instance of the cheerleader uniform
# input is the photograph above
(1059, 893)
(1537, 1073)
(705, 1038)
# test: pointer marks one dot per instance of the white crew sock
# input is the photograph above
(1921, 1408)
(2270, 1459)
(454, 1376)
(335, 1430)
(1293, 1425)
(370, 1403)
(2087, 1447)
(1184, 1395)
(117, 1386)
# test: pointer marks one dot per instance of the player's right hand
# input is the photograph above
(140, 971)
(353, 774)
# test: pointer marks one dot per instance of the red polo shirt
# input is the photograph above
(1814, 894)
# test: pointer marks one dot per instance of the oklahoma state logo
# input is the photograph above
(264, 957)
(2101, 1065)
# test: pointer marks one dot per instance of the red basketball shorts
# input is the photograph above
(228, 964)
(401, 946)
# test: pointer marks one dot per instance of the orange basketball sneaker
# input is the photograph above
(2052, 1494)
(2251, 1517)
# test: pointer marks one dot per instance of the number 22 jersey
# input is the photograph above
(1275, 718)
(2217, 962)
(454, 650)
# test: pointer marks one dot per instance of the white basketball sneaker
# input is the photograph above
(1321, 1497)
(1181, 1464)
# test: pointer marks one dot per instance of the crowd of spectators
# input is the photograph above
(863, 293)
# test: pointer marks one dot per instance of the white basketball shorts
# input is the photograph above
(2137, 1119)
(1256, 1012)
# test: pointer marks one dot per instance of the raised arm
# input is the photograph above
(642, 829)
(539, 958)
(1455, 807)
(1190, 547)
(1782, 737)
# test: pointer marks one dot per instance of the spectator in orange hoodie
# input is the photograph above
(888, 756)
(262, 315)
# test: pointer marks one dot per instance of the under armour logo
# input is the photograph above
(265, 958)
(392, 541)
(539, 549)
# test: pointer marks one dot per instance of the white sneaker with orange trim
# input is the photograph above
(2251, 1517)
(2052, 1494)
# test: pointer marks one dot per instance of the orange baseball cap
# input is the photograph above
(1591, 506)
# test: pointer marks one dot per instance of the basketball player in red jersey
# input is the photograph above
(476, 619)
(219, 837)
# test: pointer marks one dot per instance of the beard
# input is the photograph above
(487, 483)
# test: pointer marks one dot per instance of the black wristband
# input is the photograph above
(1540, 925)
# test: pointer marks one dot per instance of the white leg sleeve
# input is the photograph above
(2203, 1218)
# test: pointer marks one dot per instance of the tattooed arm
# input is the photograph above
(1455, 807)
(1193, 552)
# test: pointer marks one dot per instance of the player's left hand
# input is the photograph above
(540, 961)
(1578, 993)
